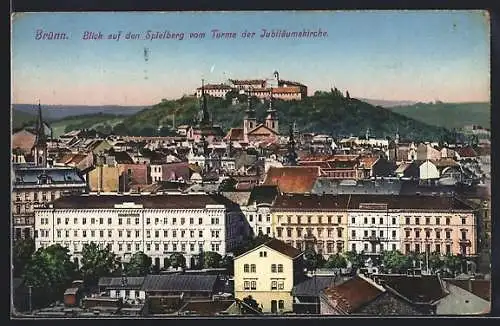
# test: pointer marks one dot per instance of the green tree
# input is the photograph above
(120, 129)
(312, 260)
(251, 302)
(452, 263)
(336, 261)
(227, 262)
(211, 259)
(22, 252)
(356, 260)
(97, 262)
(177, 260)
(49, 272)
(436, 262)
(139, 264)
(395, 261)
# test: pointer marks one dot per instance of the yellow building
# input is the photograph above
(104, 178)
(312, 221)
(268, 273)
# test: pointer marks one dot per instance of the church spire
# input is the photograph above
(39, 149)
(40, 128)
(291, 156)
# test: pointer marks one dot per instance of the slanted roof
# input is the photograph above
(123, 158)
(313, 286)
(417, 289)
(125, 282)
(235, 134)
(481, 288)
(180, 283)
(466, 151)
(352, 294)
(292, 179)
(283, 248)
(104, 281)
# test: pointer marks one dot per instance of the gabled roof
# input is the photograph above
(368, 162)
(313, 286)
(235, 134)
(352, 294)
(262, 129)
(466, 152)
(276, 245)
(123, 158)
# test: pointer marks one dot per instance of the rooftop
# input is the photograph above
(180, 283)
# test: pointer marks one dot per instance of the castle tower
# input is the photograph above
(250, 120)
(272, 116)
(39, 149)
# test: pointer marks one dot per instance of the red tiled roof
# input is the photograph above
(352, 294)
(292, 179)
(283, 248)
(367, 162)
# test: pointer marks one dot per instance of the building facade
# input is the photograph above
(158, 225)
(268, 273)
(311, 221)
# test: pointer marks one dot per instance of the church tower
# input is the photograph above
(291, 155)
(272, 116)
(39, 149)
(250, 120)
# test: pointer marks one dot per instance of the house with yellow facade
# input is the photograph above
(309, 221)
(268, 272)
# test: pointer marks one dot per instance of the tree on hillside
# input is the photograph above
(211, 259)
(177, 260)
(336, 261)
(139, 265)
(98, 263)
(49, 272)
(22, 251)
(120, 129)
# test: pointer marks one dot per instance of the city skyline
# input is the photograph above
(401, 56)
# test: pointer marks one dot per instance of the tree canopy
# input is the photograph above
(139, 265)
(22, 251)
(97, 262)
(336, 261)
(177, 260)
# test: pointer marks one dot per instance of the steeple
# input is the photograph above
(39, 149)
(250, 121)
(205, 116)
(291, 156)
(272, 117)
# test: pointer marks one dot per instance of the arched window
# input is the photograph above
(253, 268)
(246, 268)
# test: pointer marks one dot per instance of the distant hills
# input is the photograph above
(386, 103)
(448, 115)
(324, 112)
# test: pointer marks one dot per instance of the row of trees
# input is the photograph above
(390, 261)
(50, 270)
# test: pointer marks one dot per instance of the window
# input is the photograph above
(137, 247)
(120, 233)
(84, 233)
(299, 218)
(174, 233)
(407, 233)
(366, 220)
(438, 234)
(463, 220)
(353, 234)
(157, 247)
(157, 234)
(120, 221)
(157, 220)
(137, 233)
(110, 233)
(246, 285)
(268, 218)
(299, 232)
(58, 220)
(101, 233)
(438, 220)
(428, 248)
(120, 247)
(148, 233)
(339, 219)
(75, 221)
(366, 233)
(253, 268)
(353, 247)
(109, 220)
(165, 233)
(128, 220)
(84, 221)
(183, 247)
(464, 235)
(148, 246)
(393, 247)
(417, 248)
(66, 221)
(288, 232)
(448, 249)
(253, 285)
(92, 220)
(381, 233)
(407, 220)
(366, 246)
(353, 220)
(281, 286)
(148, 221)
(58, 233)
(174, 246)
(438, 248)
(250, 218)
(174, 220)
(373, 220)
(183, 233)
(274, 285)
(183, 220)
(417, 234)
(273, 268)
(407, 248)
(393, 234)
(417, 220)
(448, 234)
(393, 220)
(136, 221)
(280, 268)
(427, 234)
(339, 233)
(129, 247)
(381, 220)
(279, 231)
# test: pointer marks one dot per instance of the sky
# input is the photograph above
(391, 55)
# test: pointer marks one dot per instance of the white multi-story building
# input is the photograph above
(158, 225)
(373, 228)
